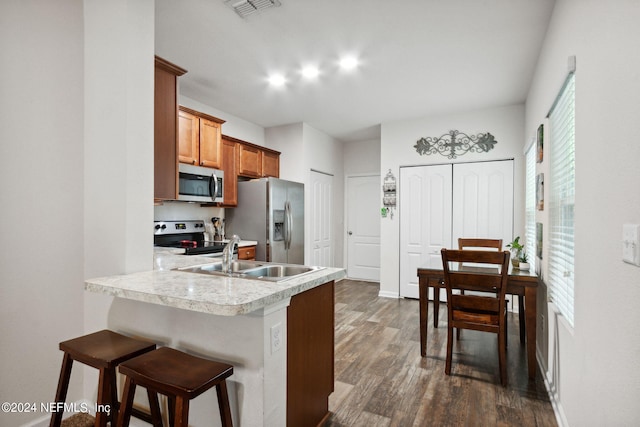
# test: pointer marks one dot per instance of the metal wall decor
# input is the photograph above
(455, 143)
(388, 195)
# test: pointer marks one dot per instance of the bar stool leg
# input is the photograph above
(61, 392)
(223, 404)
(154, 406)
(104, 395)
(182, 412)
(124, 414)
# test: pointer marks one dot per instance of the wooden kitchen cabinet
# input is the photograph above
(270, 163)
(255, 161)
(247, 253)
(230, 168)
(310, 356)
(165, 129)
(249, 161)
(199, 141)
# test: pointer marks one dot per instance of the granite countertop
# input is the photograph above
(226, 296)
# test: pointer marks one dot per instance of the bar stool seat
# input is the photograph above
(103, 350)
(179, 376)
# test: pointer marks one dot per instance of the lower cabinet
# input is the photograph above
(247, 253)
(310, 356)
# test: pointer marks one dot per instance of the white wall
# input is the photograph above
(288, 139)
(362, 157)
(506, 124)
(41, 170)
(233, 126)
(597, 380)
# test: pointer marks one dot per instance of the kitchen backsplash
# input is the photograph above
(177, 211)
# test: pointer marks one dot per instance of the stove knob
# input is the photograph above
(160, 227)
(157, 227)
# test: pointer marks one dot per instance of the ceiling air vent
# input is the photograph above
(245, 8)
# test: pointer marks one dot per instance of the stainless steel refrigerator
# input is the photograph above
(271, 212)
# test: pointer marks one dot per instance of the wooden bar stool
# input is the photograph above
(179, 376)
(103, 350)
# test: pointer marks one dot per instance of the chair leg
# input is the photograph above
(182, 412)
(223, 404)
(154, 406)
(61, 392)
(104, 395)
(447, 366)
(502, 358)
(124, 415)
(172, 410)
(114, 406)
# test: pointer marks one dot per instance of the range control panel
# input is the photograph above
(178, 227)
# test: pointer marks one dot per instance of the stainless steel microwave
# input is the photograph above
(199, 184)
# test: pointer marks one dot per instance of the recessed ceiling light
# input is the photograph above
(348, 63)
(277, 80)
(310, 72)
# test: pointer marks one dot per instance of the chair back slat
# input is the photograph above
(464, 243)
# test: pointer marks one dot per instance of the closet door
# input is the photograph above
(424, 195)
(483, 200)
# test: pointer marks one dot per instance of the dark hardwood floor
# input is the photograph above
(381, 380)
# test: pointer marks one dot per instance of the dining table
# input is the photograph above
(523, 283)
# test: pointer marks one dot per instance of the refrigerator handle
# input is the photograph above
(287, 235)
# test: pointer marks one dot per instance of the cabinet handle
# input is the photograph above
(193, 162)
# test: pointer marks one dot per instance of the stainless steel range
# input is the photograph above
(189, 234)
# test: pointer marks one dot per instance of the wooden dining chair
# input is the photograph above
(468, 243)
(474, 243)
(485, 313)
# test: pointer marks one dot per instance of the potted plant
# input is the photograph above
(524, 261)
(516, 249)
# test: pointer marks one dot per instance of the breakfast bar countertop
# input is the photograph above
(226, 296)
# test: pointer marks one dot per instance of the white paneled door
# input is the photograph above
(483, 200)
(320, 219)
(425, 221)
(440, 203)
(363, 227)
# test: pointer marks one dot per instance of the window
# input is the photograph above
(530, 205)
(561, 199)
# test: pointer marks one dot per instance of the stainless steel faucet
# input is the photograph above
(227, 253)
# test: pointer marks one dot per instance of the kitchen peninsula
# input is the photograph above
(278, 335)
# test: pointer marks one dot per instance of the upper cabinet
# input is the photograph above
(255, 161)
(230, 168)
(199, 141)
(166, 129)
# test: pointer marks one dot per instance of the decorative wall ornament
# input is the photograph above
(388, 195)
(455, 143)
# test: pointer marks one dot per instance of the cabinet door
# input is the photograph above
(229, 166)
(165, 132)
(247, 253)
(425, 221)
(210, 147)
(270, 164)
(249, 161)
(189, 130)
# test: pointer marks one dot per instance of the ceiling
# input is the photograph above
(417, 58)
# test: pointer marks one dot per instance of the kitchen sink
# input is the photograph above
(236, 266)
(253, 270)
(279, 271)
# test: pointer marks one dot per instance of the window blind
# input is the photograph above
(562, 199)
(530, 204)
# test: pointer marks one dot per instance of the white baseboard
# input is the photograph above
(553, 396)
(388, 294)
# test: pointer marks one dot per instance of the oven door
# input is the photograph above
(198, 184)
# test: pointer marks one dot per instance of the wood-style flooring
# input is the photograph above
(381, 380)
